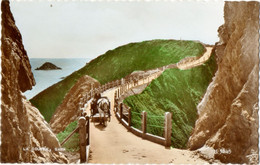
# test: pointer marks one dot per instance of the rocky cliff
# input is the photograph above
(227, 127)
(68, 110)
(25, 136)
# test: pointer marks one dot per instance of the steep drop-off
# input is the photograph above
(67, 111)
(23, 129)
(116, 64)
(227, 127)
(176, 91)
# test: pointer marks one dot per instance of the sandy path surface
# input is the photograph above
(114, 144)
(201, 60)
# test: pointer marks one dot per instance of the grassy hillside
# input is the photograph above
(73, 143)
(116, 64)
(176, 91)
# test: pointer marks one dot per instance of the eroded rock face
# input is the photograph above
(67, 111)
(227, 126)
(23, 129)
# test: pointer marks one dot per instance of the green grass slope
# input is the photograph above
(176, 91)
(116, 64)
(73, 143)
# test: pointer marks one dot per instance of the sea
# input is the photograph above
(46, 78)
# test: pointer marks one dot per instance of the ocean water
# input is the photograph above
(46, 78)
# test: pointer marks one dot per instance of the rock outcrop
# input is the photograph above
(68, 110)
(227, 127)
(25, 136)
(48, 66)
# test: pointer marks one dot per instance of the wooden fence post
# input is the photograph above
(129, 118)
(87, 130)
(168, 129)
(144, 123)
(82, 139)
(84, 113)
(121, 110)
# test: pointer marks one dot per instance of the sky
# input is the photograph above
(84, 29)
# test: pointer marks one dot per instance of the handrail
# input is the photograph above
(68, 137)
(166, 140)
(123, 85)
(84, 130)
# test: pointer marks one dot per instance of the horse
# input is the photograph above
(103, 106)
(93, 104)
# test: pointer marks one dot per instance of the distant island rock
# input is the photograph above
(48, 66)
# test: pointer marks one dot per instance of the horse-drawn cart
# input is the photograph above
(100, 110)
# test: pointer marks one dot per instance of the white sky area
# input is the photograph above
(88, 29)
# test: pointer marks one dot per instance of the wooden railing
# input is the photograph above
(126, 122)
(125, 118)
(123, 85)
(83, 120)
(84, 137)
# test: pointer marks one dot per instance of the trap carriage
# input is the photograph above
(100, 110)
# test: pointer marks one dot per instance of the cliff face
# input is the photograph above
(227, 127)
(25, 135)
(68, 110)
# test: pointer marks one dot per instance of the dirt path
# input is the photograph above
(114, 144)
(190, 64)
